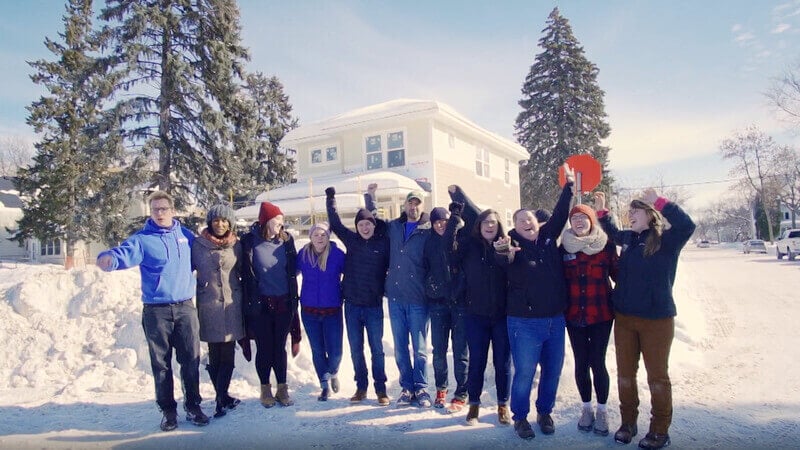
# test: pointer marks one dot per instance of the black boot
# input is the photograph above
(224, 375)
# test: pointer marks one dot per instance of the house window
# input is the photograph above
(786, 215)
(324, 155)
(508, 171)
(51, 247)
(385, 150)
(482, 162)
(509, 219)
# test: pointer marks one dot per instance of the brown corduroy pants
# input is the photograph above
(653, 340)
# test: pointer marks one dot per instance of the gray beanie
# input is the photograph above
(223, 211)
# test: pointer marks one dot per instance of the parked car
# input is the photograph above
(788, 244)
(703, 244)
(754, 246)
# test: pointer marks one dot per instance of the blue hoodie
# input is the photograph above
(164, 259)
(322, 289)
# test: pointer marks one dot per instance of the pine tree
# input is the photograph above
(562, 114)
(181, 60)
(262, 116)
(69, 192)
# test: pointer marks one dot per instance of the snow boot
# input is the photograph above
(282, 395)
(267, 400)
(586, 421)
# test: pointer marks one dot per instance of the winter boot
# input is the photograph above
(267, 400)
(546, 424)
(359, 396)
(586, 421)
(523, 429)
(503, 415)
(472, 414)
(601, 422)
(170, 420)
(383, 399)
(334, 383)
(323, 396)
(282, 395)
(625, 433)
(195, 415)
(441, 398)
(655, 441)
(224, 374)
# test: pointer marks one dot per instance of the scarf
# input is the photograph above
(591, 244)
(225, 241)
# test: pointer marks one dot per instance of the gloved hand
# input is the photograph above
(456, 208)
(330, 192)
(247, 352)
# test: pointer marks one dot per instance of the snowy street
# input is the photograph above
(74, 373)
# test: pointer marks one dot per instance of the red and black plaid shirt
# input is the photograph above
(589, 286)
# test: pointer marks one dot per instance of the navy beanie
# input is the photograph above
(438, 213)
(363, 214)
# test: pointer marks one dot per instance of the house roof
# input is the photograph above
(9, 196)
(299, 199)
(394, 110)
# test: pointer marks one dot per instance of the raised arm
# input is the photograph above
(344, 233)
(470, 210)
(128, 254)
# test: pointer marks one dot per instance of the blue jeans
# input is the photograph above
(167, 327)
(358, 318)
(447, 320)
(325, 338)
(482, 331)
(535, 341)
(409, 319)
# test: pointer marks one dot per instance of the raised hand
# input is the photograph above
(104, 262)
(650, 196)
(452, 188)
(569, 174)
(330, 192)
(599, 200)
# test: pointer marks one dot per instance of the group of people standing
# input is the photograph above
(454, 272)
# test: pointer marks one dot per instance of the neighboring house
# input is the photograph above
(786, 219)
(401, 145)
(10, 213)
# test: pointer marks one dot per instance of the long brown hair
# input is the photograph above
(476, 229)
(655, 222)
(282, 234)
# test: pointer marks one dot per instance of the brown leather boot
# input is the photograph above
(282, 395)
(503, 415)
(472, 414)
(267, 400)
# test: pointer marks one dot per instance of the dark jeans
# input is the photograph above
(448, 320)
(270, 330)
(482, 331)
(652, 339)
(324, 333)
(369, 318)
(167, 327)
(409, 323)
(589, 346)
(535, 342)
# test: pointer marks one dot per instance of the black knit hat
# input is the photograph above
(363, 214)
(438, 213)
(223, 211)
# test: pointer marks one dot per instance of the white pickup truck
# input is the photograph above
(788, 244)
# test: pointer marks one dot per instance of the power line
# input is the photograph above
(696, 183)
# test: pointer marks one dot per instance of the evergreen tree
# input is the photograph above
(262, 116)
(68, 191)
(181, 61)
(562, 114)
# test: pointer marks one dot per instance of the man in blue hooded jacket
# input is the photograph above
(169, 318)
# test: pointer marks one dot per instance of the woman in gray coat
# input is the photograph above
(215, 256)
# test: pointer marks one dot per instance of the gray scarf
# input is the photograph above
(591, 244)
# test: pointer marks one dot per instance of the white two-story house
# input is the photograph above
(401, 145)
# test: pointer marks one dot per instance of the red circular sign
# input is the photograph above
(591, 172)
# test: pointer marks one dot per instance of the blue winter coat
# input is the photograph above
(644, 284)
(321, 289)
(164, 259)
(405, 281)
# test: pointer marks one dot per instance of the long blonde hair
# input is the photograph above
(655, 221)
(315, 259)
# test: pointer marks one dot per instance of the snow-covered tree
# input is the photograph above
(759, 162)
(262, 117)
(562, 114)
(70, 191)
(181, 60)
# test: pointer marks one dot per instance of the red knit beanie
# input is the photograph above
(267, 212)
(585, 209)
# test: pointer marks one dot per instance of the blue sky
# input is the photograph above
(679, 76)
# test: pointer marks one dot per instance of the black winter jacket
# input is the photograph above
(536, 285)
(644, 284)
(443, 279)
(484, 279)
(366, 261)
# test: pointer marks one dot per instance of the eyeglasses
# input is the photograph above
(161, 210)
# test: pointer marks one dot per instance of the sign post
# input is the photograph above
(588, 173)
